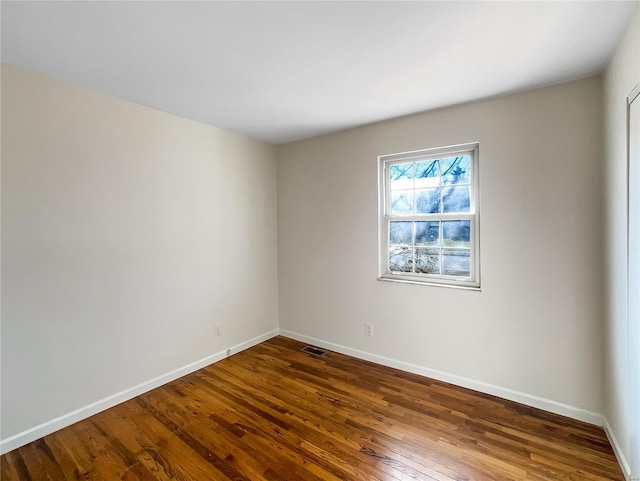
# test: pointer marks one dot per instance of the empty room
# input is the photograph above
(320, 240)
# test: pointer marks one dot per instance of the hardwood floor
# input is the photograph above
(275, 413)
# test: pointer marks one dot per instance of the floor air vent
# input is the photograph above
(313, 350)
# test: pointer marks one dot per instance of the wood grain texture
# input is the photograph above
(273, 413)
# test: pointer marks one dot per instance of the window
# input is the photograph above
(429, 216)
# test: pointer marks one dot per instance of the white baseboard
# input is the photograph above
(622, 460)
(65, 420)
(505, 393)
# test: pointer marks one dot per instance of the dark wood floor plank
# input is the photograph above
(204, 422)
(168, 454)
(47, 466)
(14, 467)
(274, 413)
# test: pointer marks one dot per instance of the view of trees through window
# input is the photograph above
(429, 189)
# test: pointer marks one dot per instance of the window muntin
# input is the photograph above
(429, 216)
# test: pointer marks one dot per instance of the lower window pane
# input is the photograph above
(455, 262)
(428, 261)
(427, 233)
(456, 233)
(400, 259)
(400, 233)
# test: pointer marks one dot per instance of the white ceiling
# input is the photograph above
(283, 71)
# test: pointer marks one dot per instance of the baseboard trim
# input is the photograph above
(505, 393)
(65, 420)
(622, 460)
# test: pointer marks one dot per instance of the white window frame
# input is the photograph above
(385, 217)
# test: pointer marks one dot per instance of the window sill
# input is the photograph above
(428, 283)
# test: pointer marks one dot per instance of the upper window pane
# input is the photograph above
(428, 173)
(431, 186)
(456, 199)
(402, 202)
(401, 175)
(428, 201)
(456, 170)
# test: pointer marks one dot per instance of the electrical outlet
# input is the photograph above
(368, 329)
(217, 330)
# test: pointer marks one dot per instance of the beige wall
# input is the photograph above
(126, 234)
(536, 326)
(621, 76)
